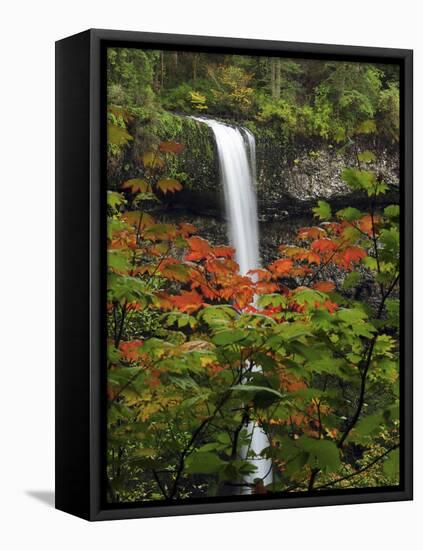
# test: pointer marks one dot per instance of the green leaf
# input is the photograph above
(328, 365)
(296, 464)
(366, 156)
(370, 262)
(322, 453)
(351, 280)
(309, 296)
(226, 337)
(204, 463)
(359, 179)
(392, 464)
(392, 211)
(118, 260)
(322, 210)
(367, 426)
(349, 214)
(366, 127)
(117, 135)
(115, 199)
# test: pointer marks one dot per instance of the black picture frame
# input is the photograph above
(80, 270)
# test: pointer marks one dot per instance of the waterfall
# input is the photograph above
(236, 148)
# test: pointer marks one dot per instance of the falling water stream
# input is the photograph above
(237, 161)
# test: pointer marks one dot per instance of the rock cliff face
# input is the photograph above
(291, 175)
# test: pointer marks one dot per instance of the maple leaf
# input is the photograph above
(171, 147)
(313, 258)
(366, 223)
(136, 185)
(187, 302)
(152, 160)
(199, 281)
(200, 248)
(324, 245)
(163, 301)
(169, 185)
(187, 229)
(265, 287)
(352, 255)
(221, 266)
(324, 286)
(311, 233)
(131, 349)
(281, 267)
(330, 306)
(223, 251)
(161, 231)
(137, 218)
(174, 270)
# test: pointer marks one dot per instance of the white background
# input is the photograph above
(28, 32)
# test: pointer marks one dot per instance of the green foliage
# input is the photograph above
(336, 101)
(197, 352)
(322, 210)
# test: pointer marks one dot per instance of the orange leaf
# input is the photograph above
(366, 223)
(169, 184)
(353, 254)
(136, 185)
(171, 147)
(324, 286)
(313, 258)
(187, 302)
(223, 251)
(131, 350)
(324, 245)
(263, 287)
(330, 306)
(136, 218)
(281, 267)
(311, 233)
(221, 266)
(200, 248)
(187, 229)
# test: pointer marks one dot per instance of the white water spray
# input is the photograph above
(236, 149)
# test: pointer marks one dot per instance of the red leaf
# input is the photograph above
(353, 255)
(131, 350)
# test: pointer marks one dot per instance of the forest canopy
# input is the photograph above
(331, 100)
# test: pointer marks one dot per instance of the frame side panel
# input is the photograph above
(72, 275)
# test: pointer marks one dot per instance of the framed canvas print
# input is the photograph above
(234, 284)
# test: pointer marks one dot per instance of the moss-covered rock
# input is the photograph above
(292, 174)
